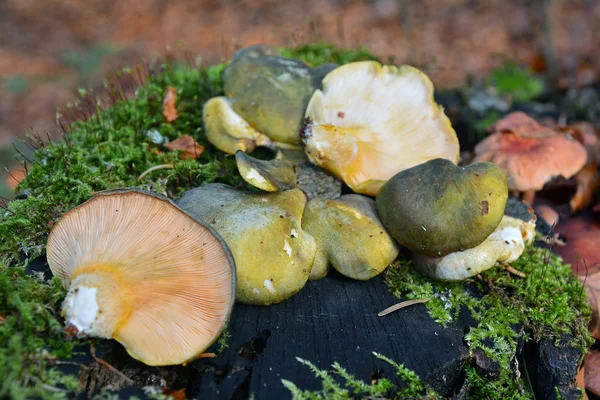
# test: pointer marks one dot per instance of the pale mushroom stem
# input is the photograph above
(529, 196)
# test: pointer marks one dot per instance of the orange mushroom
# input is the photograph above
(142, 271)
(530, 154)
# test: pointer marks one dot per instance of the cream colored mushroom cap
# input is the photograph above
(165, 281)
(370, 122)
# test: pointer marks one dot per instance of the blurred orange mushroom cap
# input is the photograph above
(529, 153)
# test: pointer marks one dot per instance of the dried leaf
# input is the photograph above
(547, 213)
(207, 355)
(2, 319)
(169, 109)
(592, 288)
(592, 372)
(401, 305)
(189, 147)
(588, 182)
(580, 382)
(583, 242)
(175, 394)
(15, 176)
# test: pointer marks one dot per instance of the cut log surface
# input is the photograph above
(335, 319)
(330, 320)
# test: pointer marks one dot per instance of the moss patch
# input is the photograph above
(352, 387)
(31, 337)
(114, 142)
(109, 141)
(549, 303)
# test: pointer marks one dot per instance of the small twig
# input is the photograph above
(402, 305)
(514, 271)
(155, 168)
(107, 365)
(207, 355)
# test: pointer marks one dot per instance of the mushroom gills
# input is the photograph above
(165, 293)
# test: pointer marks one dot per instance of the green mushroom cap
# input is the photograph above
(271, 92)
(349, 236)
(506, 244)
(271, 176)
(273, 254)
(437, 208)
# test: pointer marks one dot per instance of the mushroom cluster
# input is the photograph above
(264, 101)
(127, 256)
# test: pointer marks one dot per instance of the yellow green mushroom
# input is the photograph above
(273, 254)
(270, 176)
(349, 236)
(264, 103)
(438, 208)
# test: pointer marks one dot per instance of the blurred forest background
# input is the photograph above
(50, 48)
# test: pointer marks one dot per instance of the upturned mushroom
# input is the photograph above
(273, 254)
(349, 236)
(530, 154)
(506, 244)
(370, 122)
(438, 208)
(140, 270)
(264, 103)
(270, 176)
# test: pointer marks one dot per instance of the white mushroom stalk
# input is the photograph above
(505, 245)
(370, 122)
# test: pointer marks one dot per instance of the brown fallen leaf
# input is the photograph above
(175, 394)
(580, 382)
(169, 109)
(2, 319)
(15, 176)
(547, 213)
(189, 147)
(592, 289)
(592, 371)
(583, 241)
(588, 182)
(401, 305)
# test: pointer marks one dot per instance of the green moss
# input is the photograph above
(31, 337)
(114, 147)
(352, 388)
(548, 304)
(222, 341)
(109, 148)
(322, 53)
(519, 83)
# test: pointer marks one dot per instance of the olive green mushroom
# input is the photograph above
(273, 254)
(270, 176)
(265, 99)
(349, 236)
(506, 244)
(437, 208)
